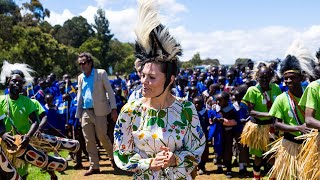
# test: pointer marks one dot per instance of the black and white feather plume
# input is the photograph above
(8, 69)
(303, 56)
(154, 42)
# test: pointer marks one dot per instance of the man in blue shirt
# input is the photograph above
(95, 102)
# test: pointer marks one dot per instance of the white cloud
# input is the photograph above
(259, 44)
(89, 13)
(172, 7)
(101, 3)
(56, 18)
(121, 22)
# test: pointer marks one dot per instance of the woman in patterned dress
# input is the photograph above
(158, 136)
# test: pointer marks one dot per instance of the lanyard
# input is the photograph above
(266, 97)
(293, 104)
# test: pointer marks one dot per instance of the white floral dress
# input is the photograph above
(140, 131)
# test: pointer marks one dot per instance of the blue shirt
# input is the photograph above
(87, 90)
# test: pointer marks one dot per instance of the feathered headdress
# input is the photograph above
(16, 68)
(154, 42)
(298, 59)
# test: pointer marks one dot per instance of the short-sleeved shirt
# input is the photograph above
(20, 110)
(256, 97)
(40, 108)
(311, 98)
(281, 110)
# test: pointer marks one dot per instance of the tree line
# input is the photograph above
(28, 38)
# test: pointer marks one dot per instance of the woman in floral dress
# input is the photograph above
(158, 136)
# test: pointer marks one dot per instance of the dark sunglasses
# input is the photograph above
(82, 63)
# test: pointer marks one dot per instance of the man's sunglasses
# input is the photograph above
(82, 63)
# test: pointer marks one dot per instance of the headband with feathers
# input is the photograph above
(154, 42)
(298, 58)
(9, 69)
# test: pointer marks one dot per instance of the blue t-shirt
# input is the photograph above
(87, 90)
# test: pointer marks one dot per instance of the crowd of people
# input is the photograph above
(227, 100)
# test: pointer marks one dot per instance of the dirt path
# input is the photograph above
(107, 172)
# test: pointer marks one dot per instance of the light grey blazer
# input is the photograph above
(103, 95)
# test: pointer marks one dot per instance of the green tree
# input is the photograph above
(74, 32)
(242, 61)
(9, 16)
(196, 60)
(41, 51)
(11, 9)
(126, 66)
(209, 61)
(35, 13)
(101, 25)
(119, 51)
(93, 46)
(46, 27)
(187, 64)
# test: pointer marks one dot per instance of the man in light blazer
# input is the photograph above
(96, 101)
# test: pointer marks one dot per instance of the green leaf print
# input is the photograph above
(186, 114)
(123, 158)
(170, 130)
(152, 112)
(122, 120)
(145, 176)
(134, 128)
(178, 137)
(187, 104)
(162, 142)
(162, 114)
(178, 123)
(160, 122)
(152, 121)
(177, 131)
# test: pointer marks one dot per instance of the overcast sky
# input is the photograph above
(227, 30)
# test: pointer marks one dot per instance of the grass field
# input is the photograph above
(107, 173)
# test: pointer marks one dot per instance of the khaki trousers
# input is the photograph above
(95, 125)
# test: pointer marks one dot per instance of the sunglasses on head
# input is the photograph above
(82, 63)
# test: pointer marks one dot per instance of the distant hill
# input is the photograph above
(209, 61)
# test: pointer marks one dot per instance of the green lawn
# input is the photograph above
(35, 173)
(107, 173)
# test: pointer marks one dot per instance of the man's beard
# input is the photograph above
(14, 91)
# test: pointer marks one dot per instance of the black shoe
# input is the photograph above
(219, 170)
(243, 173)
(92, 171)
(78, 166)
(235, 163)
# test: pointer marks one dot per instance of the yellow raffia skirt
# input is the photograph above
(310, 157)
(287, 162)
(255, 136)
